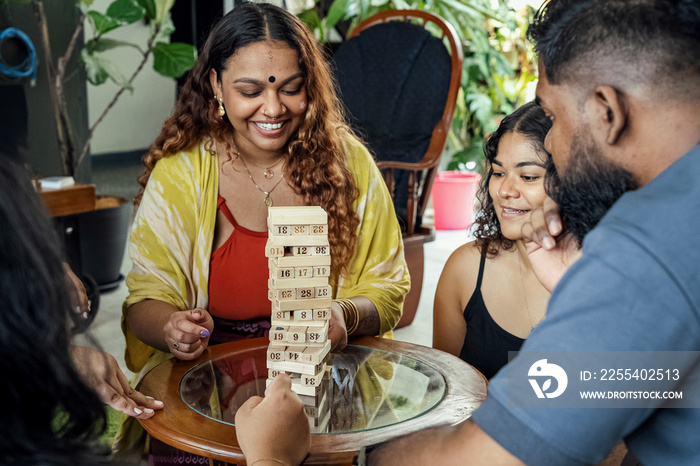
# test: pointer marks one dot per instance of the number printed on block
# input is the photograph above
(281, 230)
(272, 373)
(283, 293)
(320, 250)
(302, 250)
(320, 314)
(300, 230)
(281, 315)
(318, 229)
(303, 272)
(296, 334)
(274, 251)
(322, 271)
(305, 293)
(303, 314)
(323, 291)
(276, 353)
(284, 273)
(294, 353)
(278, 334)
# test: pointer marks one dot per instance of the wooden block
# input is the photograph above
(303, 272)
(284, 283)
(280, 230)
(323, 291)
(316, 354)
(294, 353)
(302, 250)
(302, 315)
(308, 240)
(286, 272)
(273, 250)
(320, 250)
(69, 200)
(278, 334)
(301, 261)
(309, 323)
(294, 367)
(312, 380)
(296, 334)
(317, 334)
(276, 353)
(272, 373)
(322, 270)
(300, 229)
(284, 293)
(281, 318)
(321, 314)
(297, 215)
(296, 304)
(305, 293)
(318, 229)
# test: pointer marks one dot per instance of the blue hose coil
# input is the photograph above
(28, 66)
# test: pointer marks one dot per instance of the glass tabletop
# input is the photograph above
(368, 388)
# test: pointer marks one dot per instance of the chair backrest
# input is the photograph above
(399, 84)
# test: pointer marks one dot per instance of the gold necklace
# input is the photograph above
(268, 199)
(267, 171)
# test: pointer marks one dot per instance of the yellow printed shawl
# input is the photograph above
(172, 236)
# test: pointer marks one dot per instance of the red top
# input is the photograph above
(238, 274)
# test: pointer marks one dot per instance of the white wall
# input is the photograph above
(135, 121)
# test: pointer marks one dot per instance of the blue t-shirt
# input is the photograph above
(636, 288)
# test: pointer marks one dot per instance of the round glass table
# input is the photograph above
(376, 390)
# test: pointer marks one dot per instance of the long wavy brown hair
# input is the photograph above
(316, 164)
(530, 121)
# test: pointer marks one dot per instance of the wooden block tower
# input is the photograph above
(300, 264)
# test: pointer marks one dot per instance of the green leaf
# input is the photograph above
(87, 3)
(126, 11)
(102, 23)
(173, 60)
(102, 69)
(337, 11)
(103, 43)
(163, 9)
(166, 28)
(149, 7)
(95, 73)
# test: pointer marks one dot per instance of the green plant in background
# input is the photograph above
(498, 66)
(169, 59)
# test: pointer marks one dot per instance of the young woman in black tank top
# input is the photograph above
(488, 298)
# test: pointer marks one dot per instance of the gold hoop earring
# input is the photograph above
(222, 110)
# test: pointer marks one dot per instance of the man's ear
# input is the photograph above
(613, 111)
(214, 81)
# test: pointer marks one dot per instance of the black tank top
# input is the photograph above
(486, 343)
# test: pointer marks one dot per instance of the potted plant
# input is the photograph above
(98, 236)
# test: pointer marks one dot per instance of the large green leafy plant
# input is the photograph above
(169, 59)
(497, 65)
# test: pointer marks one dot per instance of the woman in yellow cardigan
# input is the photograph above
(258, 123)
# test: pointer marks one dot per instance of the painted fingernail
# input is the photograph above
(85, 315)
(137, 411)
(159, 403)
(554, 226)
(204, 333)
(548, 243)
(77, 309)
(148, 410)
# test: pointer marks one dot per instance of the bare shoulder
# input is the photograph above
(464, 262)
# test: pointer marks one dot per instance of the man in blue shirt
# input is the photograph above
(620, 80)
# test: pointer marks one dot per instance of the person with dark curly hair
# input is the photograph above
(488, 297)
(258, 123)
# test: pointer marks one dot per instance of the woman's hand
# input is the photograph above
(102, 373)
(187, 333)
(275, 427)
(78, 295)
(337, 330)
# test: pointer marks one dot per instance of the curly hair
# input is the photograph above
(316, 163)
(530, 121)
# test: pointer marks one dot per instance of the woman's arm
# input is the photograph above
(456, 284)
(185, 334)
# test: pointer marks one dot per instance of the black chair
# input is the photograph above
(399, 84)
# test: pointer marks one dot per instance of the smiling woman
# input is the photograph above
(488, 298)
(257, 124)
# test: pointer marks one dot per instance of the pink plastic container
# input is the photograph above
(453, 199)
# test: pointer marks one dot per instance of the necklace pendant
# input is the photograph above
(268, 173)
(268, 200)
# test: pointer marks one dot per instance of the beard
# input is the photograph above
(588, 188)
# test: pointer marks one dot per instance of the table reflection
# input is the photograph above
(368, 388)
